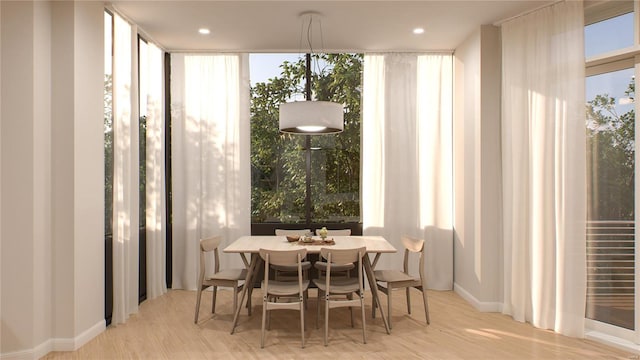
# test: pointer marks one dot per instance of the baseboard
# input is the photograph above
(81, 339)
(614, 341)
(57, 344)
(483, 306)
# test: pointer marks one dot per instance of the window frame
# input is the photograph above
(619, 59)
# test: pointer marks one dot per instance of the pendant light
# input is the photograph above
(311, 117)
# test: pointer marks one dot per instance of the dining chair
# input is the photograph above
(387, 280)
(226, 278)
(336, 232)
(273, 290)
(338, 292)
(284, 232)
(344, 269)
(283, 272)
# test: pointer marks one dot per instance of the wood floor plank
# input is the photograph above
(164, 329)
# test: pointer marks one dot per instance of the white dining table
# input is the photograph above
(252, 244)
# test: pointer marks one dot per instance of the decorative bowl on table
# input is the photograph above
(293, 238)
(307, 239)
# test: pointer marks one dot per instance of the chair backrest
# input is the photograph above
(283, 232)
(282, 257)
(416, 246)
(343, 256)
(208, 245)
(339, 232)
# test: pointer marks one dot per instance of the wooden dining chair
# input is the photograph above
(338, 292)
(226, 278)
(289, 273)
(273, 290)
(336, 232)
(284, 232)
(387, 280)
(337, 269)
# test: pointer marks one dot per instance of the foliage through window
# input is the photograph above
(278, 161)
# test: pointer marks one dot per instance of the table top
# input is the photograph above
(253, 244)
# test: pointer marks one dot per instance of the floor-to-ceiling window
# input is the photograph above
(143, 90)
(304, 181)
(611, 49)
(108, 160)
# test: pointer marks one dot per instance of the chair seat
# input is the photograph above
(285, 288)
(339, 285)
(229, 274)
(392, 276)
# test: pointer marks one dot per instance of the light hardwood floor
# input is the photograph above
(164, 329)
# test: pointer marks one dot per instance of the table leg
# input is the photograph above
(247, 282)
(374, 290)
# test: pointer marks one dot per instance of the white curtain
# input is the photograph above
(155, 174)
(543, 146)
(125, 176)
(407, 157)
(210, 152)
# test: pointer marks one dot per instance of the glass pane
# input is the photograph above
(108, 124)
(611, 213)
(608, 35)
(335, 177)
(279, 162)
(143, 73)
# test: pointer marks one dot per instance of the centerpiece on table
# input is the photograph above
(323, 233)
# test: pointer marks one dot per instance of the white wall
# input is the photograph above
(51, 168)
(17, 223)
(88, 166)
(42, 259)
(477, 239)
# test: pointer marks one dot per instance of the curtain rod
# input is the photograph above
(526, 12)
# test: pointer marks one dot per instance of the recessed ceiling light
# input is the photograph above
(418, 31)
(204, 31)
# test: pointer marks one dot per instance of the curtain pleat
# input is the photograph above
(407, 156)
(125, 177)
(155, 177)
(210, 152)
(543, 142)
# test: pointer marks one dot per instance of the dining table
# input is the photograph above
(251, 244)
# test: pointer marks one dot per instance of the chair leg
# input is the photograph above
(269, 315)
(318, 310)
(213, 300)
(264, 319)
(364, 330)
(350, 297)
(198, 296)
(235, 298)
(426, 304)
(302, 324)
(389, 296)
(326, 320)
(374, 305)
(408, 301)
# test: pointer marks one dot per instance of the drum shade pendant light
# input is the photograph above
(311, 117)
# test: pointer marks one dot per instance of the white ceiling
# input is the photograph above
(276, 26)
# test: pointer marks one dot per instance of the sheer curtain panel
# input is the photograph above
(543, 144)
(407, 156)
(155, 182)
(210, 152)
(125, 175)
